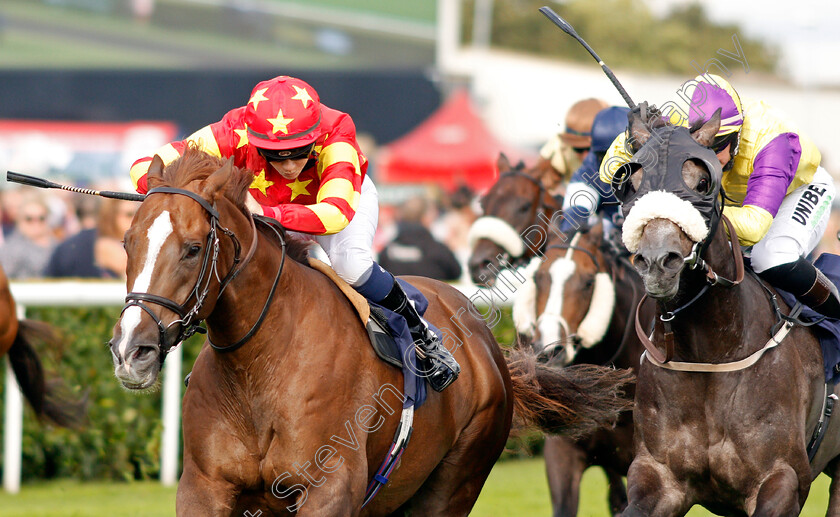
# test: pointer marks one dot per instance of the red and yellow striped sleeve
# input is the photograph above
(219, 139)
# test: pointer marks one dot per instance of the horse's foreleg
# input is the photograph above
(652, 491)
(778, 495)
(199, 496)
(340, 496)
(617, 496)
(564, 466)
(833, 470)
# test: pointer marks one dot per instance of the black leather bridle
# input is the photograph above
(188, 322)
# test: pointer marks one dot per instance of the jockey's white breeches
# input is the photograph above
(351, 250)
(798, 226)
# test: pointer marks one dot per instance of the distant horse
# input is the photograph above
(17, 338)
(514, 226)
(288, 409)
(717, 423)
(584, 300)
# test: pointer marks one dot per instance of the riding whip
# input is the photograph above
(32, 181)
(568, 29)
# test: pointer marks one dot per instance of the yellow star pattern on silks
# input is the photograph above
(261, 183)
(298, 188)
(243, 137)
(302, 95)
(279, 123)
(258, 97)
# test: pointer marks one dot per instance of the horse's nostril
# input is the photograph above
(672, 261)
(143, 352)
(640, 263)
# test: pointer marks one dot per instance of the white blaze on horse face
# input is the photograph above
(551, 320)
(157, 234)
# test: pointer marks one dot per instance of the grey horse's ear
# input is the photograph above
(705, 134)
(639, 131)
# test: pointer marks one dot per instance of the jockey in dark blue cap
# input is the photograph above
(587, 194)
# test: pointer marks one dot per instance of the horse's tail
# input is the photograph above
(573, 400)
(46, 398)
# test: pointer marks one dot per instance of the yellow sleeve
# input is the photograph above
(751, 222)
(170, 152)
(616, 156)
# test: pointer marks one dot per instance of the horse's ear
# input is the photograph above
(503, 163)
(215, 184)
(639, 131)
(705, 134)
(642, 120)
(155, 173)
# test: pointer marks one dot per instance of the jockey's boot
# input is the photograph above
(439, 366)
(808, 284)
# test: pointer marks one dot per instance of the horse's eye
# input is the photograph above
(193, 251)
(524, 209)
(703, 186)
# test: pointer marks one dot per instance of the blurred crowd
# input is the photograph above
(55, 234)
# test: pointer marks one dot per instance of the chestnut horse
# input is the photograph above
(724, 415)
(585, 295)
(288, 408)
(17, 338)
(513, 228)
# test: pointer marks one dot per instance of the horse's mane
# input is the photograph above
(197, 165)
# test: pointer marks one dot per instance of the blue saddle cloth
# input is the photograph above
(414, 385)
(828, 330)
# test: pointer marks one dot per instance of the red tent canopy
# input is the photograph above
(451, 147)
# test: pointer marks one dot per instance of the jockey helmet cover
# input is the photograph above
(713, 92)
(283, 113)
(608, 124)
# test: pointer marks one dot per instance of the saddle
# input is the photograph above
(388, 331)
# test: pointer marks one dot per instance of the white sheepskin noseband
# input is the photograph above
(662, 205)
(498, 231)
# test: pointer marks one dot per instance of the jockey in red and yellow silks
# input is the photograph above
(782, 197)
(310, 175)
(322, 200)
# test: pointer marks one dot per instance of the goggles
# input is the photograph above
(720, 142)
(279, 155)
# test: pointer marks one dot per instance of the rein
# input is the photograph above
(278, 232)
(695, 262)
(189, 324)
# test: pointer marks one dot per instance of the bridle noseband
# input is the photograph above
(188, 320)
(694, 261)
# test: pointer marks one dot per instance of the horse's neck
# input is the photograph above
(241, 304)
(724, 322)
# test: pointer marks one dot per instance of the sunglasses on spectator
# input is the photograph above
(279, 155)
(580, 150)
